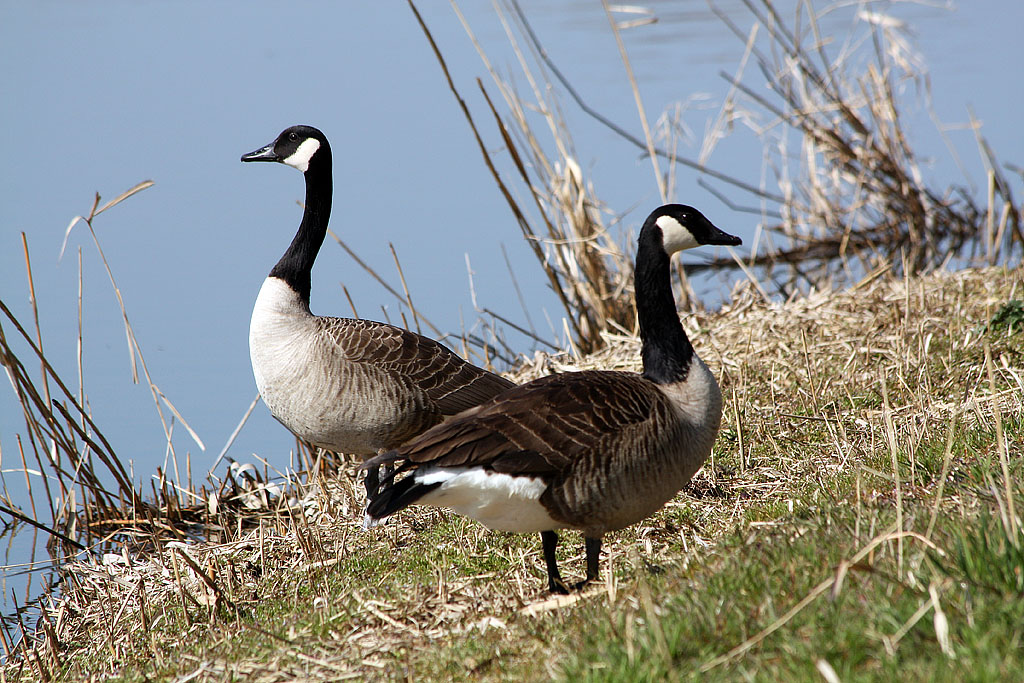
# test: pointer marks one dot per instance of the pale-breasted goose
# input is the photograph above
(593, 450)
(350, 386)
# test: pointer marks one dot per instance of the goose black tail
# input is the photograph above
(394, 495)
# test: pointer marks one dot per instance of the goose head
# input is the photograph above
(684, 227)
(297, 147)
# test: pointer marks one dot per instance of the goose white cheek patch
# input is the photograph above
(674, 235)
(300, 157)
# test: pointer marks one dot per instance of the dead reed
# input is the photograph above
(849, 192)
(853, 194)
(91, 500)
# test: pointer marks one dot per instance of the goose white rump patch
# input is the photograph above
(301, 156)
(498, 501)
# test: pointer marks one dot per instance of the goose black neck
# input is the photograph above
(296, 264)
(666, 350)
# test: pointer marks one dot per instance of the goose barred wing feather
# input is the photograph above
(451, 383)
(539, 428)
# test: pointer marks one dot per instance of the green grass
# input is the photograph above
(669, 626)
(1009, 317)
(670, 618)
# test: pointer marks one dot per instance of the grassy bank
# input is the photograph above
(860, 520)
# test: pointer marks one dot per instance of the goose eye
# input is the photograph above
(293, 136)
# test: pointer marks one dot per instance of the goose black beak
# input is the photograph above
(723, 238)
(262, 154)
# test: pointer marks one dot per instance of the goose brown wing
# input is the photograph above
(451, 383)
(538, 428)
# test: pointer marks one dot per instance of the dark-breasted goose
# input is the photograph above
(594, 450)
(351, 386)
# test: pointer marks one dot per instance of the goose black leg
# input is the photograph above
(374, 475)
(372, 482)
(548, 541)
(593, 546)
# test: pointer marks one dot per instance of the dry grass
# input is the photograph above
(818, 390)
(80, 493)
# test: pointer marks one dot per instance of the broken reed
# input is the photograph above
(853, 194)
(94, 505)
(79, 469)
(91, 500)
(88, 490)
(583, 265)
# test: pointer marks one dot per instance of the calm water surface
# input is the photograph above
(101, 96)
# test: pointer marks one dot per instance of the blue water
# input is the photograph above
(100, 96)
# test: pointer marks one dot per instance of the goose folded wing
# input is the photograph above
(538, 428)
(450, 382)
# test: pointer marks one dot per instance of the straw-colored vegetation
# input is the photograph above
(861, 513)
(860, 517)
(842, 192)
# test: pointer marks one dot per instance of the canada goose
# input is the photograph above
(593, 450)
(350, 386)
